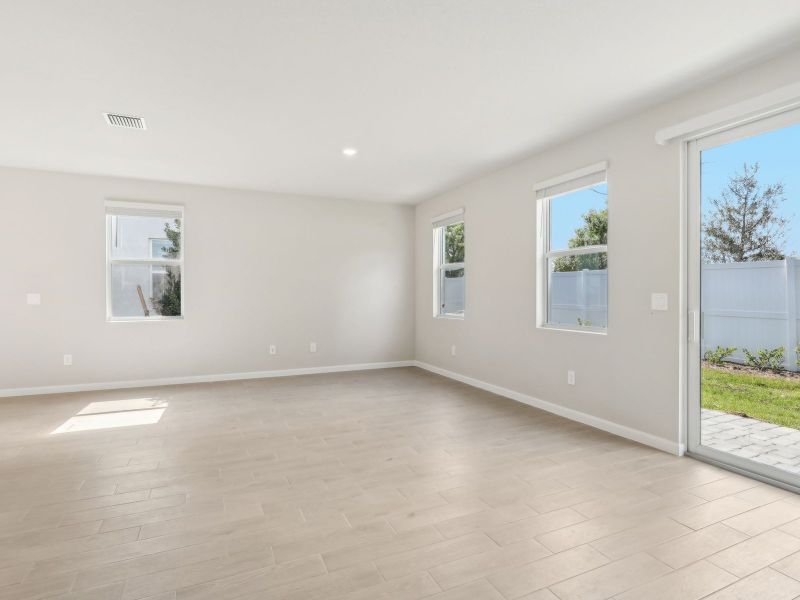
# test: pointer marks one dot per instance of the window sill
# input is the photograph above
(450, 317)
(142, 319)
(569, 329)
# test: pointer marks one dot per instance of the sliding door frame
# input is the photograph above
(693, 149)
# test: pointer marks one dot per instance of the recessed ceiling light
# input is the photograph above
(349, 151)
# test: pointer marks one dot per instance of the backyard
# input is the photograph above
(766, 396)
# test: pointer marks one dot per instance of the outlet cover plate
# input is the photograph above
(659, 301)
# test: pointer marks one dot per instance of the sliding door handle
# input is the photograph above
(694, 326)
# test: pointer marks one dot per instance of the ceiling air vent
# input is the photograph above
(126, 121)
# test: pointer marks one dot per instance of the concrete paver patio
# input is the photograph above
(750, 438)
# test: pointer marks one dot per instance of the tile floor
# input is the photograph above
(394, 484)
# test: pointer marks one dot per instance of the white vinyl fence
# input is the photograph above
(751, 305)
(579, 297)
(453, 295)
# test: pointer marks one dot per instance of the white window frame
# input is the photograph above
(439, 224)
(545, 191)
(126, 208)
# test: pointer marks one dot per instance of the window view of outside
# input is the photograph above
(578, 281)
(452, 272)
(149, 289)
(750, 299)
(159, 248)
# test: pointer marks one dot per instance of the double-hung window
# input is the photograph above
(573, 250)
(448, 265)
(144, 261)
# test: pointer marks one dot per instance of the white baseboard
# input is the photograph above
(569, 413)
(112, 385)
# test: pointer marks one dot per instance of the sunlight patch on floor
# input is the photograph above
(111, 414)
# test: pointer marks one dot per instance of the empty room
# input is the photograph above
(399, 299)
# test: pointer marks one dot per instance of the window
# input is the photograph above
(144, 261)
(573, 251)
(448, 265)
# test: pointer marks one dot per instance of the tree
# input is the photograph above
(454, 247)
(168, 303)
(454, 243)
(593, 232)
(744, 224)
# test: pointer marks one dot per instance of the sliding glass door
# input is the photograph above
(744, 297)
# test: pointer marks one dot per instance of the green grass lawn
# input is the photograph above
(772, 399)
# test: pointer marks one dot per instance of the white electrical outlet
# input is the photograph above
(312, 347)
(571, 377)
(34, 299)
(659, 301)
(453, 350)
(68, 360)
(273, 349)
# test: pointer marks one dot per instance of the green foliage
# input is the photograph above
(584, 322)
(454, 248)
(744, 224)
(718, 355)
(454, 243)
(174, 238)
(768, 358)
(593, 232)
(168, 304)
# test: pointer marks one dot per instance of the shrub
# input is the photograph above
(765, 359)
(718, 356)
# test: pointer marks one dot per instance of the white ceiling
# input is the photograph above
(264, 94)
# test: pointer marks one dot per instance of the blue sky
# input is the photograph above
(778, 155)
(566, 213)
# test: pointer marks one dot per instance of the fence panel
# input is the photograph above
(750, 305)
(753, 305)
(579, 296)
(453, 294)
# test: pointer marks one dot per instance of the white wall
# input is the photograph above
(631, 375)
(259, 269)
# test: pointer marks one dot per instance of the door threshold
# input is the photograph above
(747, 473)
